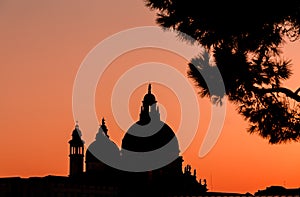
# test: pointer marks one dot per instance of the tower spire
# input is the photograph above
(149, 88)
(103, 127)
(76, 125)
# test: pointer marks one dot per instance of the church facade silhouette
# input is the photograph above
(145, 136)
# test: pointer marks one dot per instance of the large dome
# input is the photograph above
(149, 143)
(150, 137)
(149, 133)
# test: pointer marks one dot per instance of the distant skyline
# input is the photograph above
(42, 47)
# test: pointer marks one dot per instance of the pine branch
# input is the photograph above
(286, 91)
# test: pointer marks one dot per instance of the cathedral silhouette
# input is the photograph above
(148, 164)
(149, 158)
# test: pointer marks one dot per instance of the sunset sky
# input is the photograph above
(43, 44)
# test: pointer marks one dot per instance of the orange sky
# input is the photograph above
(42, 47)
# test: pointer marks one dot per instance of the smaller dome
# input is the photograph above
(102, 153)
(103, 149)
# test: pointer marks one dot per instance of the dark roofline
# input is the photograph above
(278, 190)
(227, 194)
(10, 178)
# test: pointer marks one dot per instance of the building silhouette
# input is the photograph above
(145, 144)
(129, 171)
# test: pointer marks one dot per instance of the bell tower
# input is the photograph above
(76, 152)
